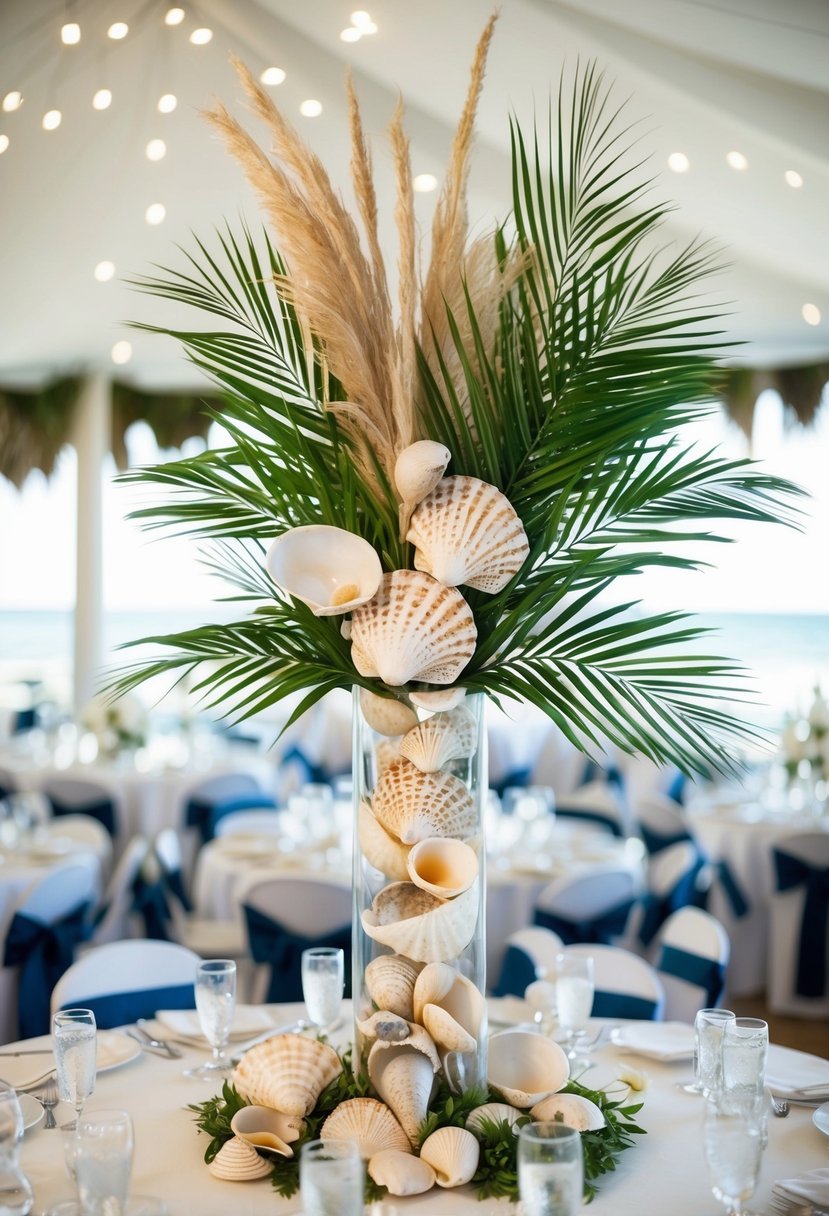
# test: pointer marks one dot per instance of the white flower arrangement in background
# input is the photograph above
(117, 725)
(804, 743)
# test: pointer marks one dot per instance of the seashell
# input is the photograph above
(381, 850)
(390, 981)
(414, 628)
(432, 744)
(387, 1027)
(385, 755)
(287, 1073)
(418, 1039)
(402, 901)
(266, 1129)
(442, 866)
(453, 1154)
(526, 1067)
(467, 532)
(414, 805)
(437, 699)
(329, 569)
(401, 1173)
(436, 934)
(450, 1007)
(238, 1161)
(494, 1112)
(571, 1109)
(404, 1077)
(367, 1122)
(419, 468)
(386, 715)
(345, 630)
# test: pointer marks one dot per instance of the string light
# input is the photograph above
(174, 16)
(155, 213)
(201, 36)
(156, 149)
(118, 30)
(12, 101)
(167, 103)
(737, 161)
(810, 314)
(4, 143)
(51, 120)
(679, 162)
(311, 108)
(424, 182)
(102, 100)
(104, 271)
(272, 76)
(70, 33)
(122, 352)
(361, 19)
(793, 179)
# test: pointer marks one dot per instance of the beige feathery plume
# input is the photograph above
(404, 219)
(363, 179)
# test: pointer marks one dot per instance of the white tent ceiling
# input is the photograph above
(707, 77)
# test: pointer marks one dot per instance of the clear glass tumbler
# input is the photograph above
(574, 1000)
(103, 1162)
(745, 1044)
(550, 1169)
(15, 1192)
(215, 1004)
(331, 1178)
(323, 982)
(74, 1041)
(708, 1033)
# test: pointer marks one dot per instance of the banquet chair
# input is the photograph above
(691, 959)
(625, 985)
(530, 954)
(595, 803)
(88, 833)
(592, 907)
(124, 981)
(216, 797)
(672, 882)
(71, 796)
(7, 784)
(559, 765)
(47, 922)
(254, 823)
(798, 940)
(117, 917)
(286, 915)
(660, 822)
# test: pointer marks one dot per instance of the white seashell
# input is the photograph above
(266, 1129)
(387, 1027)
(450, 1007)
(402, 901)
(367, 1122)
(494, 1112)
(329, 569)
(345, 630)
(418, 1039)
(390, 980)
(401, 1173)
(466, 532)
(238, 1161)
(438, 699)
(419, 468)
(435, 935)
(442, 866)
(453, 1154)
(432, 744)
(414, 806)
(287, 1073)
(381, 850)
(385, 755)
(571, 1109)
(526, 1067)
(386, 715)
(414, 628)
(404, 1077)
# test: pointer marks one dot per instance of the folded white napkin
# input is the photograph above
(812, 1186)
(248, 1020)
(658, 1040)
(795, 1074)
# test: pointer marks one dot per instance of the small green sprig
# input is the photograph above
(214, 1116)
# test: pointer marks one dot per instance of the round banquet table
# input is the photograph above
(26, 865)
(663, 1172)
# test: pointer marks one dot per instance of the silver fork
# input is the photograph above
(49, 1100)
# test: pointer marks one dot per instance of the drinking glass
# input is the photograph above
(16, 1197)
(550, 1169)
(331, 1178)
(708, 1033)
(734, 1137)
(323, 982)
(745, 1044)
(74, 1040)
(215, 1004)
(574, 999)
(103, 1162)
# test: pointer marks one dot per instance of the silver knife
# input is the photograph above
(32, 1051)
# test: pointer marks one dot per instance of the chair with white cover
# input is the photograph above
(660, 822)
(595, 803)
(89, 834)
(118, 918)
(212, 799)
(672, 882)
(123, 981)
(47, 923)
(250, 823)
(286, 915)
(530, 954)
(202, 935)
(798, 941)
(625, 986)
(692, 959)
(72, 796)
(593, 907)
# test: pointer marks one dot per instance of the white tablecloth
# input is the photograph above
(22, 869)
(663, 1173)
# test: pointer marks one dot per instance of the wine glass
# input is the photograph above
(734, 1137)
(709, 1025)
(74, 1040)
(550, 1169)
(574, 1000)
(331, 1178)
(16, 1197)
(103, 1162)
(323, 983)
(215, 1004)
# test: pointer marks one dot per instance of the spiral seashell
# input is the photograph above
(526, 1067)
(442, 866)
(367, 1122)
(436, 700)
(414, 805)
(268, 1130)
(414, 628)
(419, 468)
(386, 715)
(387, 1027)
(494, 1112)
(571, 1109)
(380, 849)
(287, 1073)
(401, 1173)
(390, 980)
(430, 745)
(450, 1007)
(436, 933)
(453, 1154)
(238, 1161)
(404, 1077)
(329, 569)
(466, 532)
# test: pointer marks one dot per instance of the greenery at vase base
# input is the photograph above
(497, 1173)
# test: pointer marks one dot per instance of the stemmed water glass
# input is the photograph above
(550, 1169)
(103, 1162)
(215, 1004)
(574, 1000)
(734, 1137)
(323, 983)
(74, 1040)
(15, 1191)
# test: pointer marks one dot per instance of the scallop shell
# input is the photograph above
(385, 755)
(386, 715)
(436, 934)
(419, 468)
(390, 981)
(526, 1067)
(329, 569)
(442, 866)
(453, 1154)
(414, 628)
(237, 1161)
(387, 1027)
(414, 805)
(401, 1173)
(367, 1122)
(494, 1112)
(287, 1073)
(450, 1007)
(571, 1109)
(266, 1129)
(467, 532)
(404, 1077)
(381, 850)
(432, 744)
(437, 699)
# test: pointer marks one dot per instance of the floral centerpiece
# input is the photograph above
(427, 501)
(118, 726)
(804, 745)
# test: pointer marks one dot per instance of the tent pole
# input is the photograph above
(92, 443)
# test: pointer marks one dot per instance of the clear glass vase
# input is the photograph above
(419, 896)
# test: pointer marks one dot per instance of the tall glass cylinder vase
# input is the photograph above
(420, 780)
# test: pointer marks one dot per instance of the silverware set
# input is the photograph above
(49, 1100)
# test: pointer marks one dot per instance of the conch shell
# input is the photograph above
(387, 1027)
(367, 1122)
(419, 468)
(237, 1161)
(442, 866)
(430, 745)
(453, 1154)
(268, 1130)
(329, 569)
(414, 805)
(401, 1173)
(287, 1073)
(526, 1067)
(403, 1075)
(419, 926)
(390, 980)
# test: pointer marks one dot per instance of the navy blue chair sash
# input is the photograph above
(732, 889)
(149, 900)
(518, 971)
(42, 952)
(514, 779)
(174, 882)
(271, 942)
(203, 814)
(599, 930)
(793, 872)
(103, 811)
(601, 818)
(623, 1005)
(119, 1008)
(657, 908)
(655, 841)
(706, 973)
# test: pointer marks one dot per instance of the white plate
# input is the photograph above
(248, 1020)
(115, 1049)
(788, 1071)
(666, 1041)
(23, 1072)
(33, 1112)
(821, 1118)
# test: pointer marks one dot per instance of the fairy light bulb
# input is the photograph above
(737, 161)
(679, 162)
(201, 36)
(51, 120)
(122, 352)
(102, 100)
(174, 16)
(167, 102)
(424, 182)
(155, 213)
(104, 271)
(156, 149)
(70, 33)
(12, 101)
(272, 76)
(118, 30)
